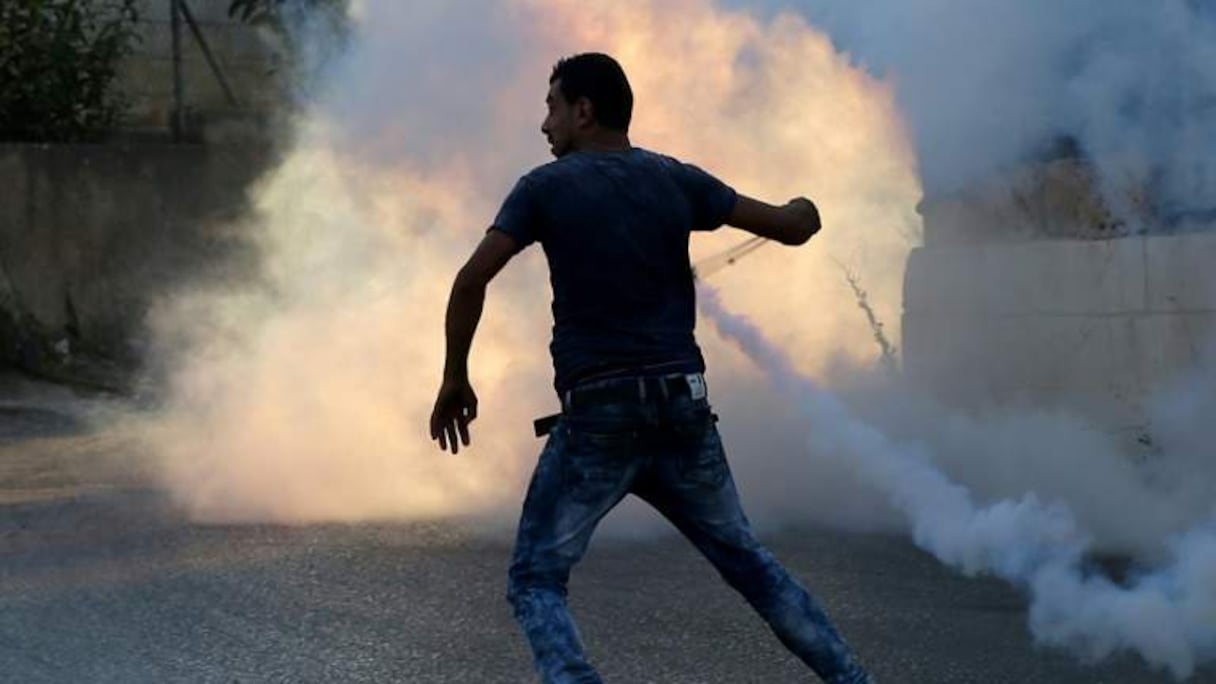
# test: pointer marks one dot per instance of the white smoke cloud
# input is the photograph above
(987, 84)
(1167, 615)
(984, 87)
(304, 395)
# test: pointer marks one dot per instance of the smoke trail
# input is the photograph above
(1167, 616)
(984, 88)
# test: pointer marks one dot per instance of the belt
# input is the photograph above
(636, 389)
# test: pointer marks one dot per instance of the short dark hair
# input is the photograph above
(601, 79)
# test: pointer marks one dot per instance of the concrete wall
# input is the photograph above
(91, 234)
(1090, 324)
(1049, 200)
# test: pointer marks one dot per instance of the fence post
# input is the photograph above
(177, 121)
(202, 44)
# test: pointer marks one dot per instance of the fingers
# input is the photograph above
(450, 421)
(438, 432)
(453, 434)
(462, 424)
(436, 425)
(450, 429)
(441, 430)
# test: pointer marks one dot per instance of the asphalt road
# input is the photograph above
(101, 581)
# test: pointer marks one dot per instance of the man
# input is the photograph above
(614, 222)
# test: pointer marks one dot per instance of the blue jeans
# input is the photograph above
(666, 451)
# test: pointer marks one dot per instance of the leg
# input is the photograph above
(563, 505)
(694, 490)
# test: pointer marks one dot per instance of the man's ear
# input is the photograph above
(584, 112)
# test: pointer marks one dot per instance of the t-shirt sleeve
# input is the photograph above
(518, 216)
(711, 200)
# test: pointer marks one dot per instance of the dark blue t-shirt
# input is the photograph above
(614, 227)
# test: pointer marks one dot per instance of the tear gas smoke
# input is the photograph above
(985, 85)
(1168, 615)
(303, 393)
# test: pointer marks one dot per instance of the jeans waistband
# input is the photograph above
(638, 389)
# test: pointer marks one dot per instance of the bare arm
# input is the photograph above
(791, 224)
(468, 296)
(456, 405)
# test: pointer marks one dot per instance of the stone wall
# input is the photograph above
(1091, 324)
(90, 235)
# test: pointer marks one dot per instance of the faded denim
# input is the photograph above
(668, 452)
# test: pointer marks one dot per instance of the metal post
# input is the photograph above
(177, 121)
(202, 44)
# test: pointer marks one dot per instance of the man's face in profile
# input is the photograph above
(558, 125)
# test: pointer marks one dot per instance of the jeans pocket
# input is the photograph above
(596, 462)
(703, 460)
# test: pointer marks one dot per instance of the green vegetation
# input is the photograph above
(58, 63)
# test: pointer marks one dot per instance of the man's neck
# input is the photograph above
(604, 141)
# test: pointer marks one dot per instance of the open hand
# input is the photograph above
(455, 408)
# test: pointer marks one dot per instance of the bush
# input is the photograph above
(58, 63)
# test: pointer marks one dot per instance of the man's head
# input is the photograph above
(589, 97)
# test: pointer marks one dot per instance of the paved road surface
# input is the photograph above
(102, 582)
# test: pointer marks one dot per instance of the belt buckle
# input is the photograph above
(696, 385)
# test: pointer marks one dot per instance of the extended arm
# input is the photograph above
(792, 224)
(456, 405)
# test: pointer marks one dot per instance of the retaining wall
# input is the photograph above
(91, 234)
(1092, 324)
